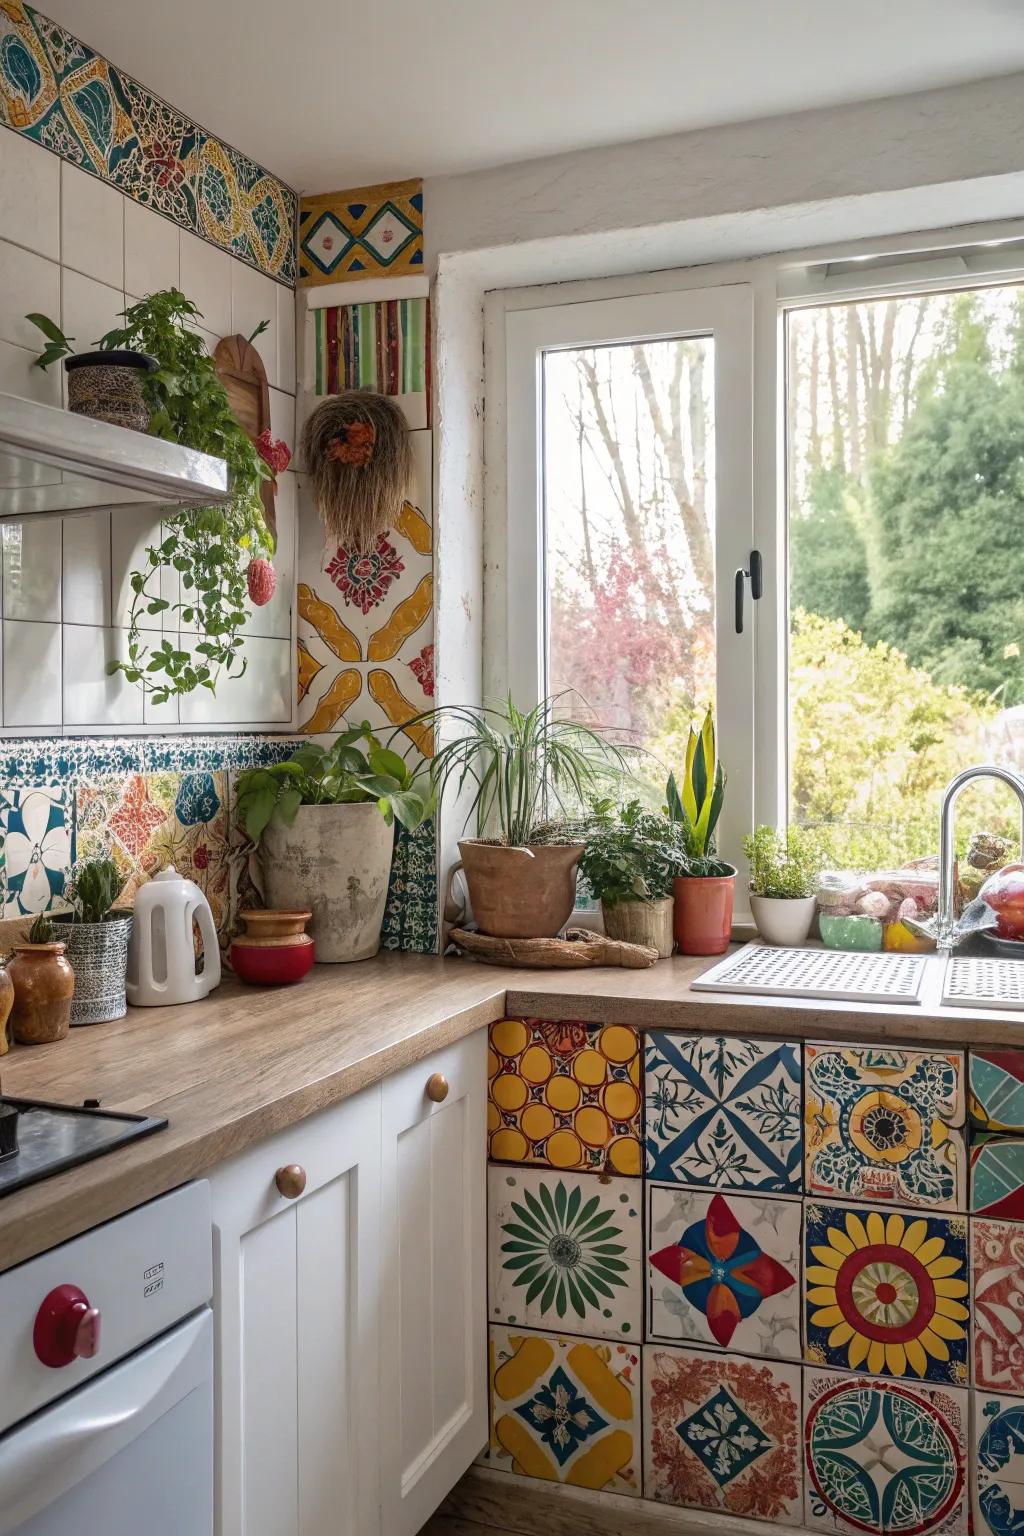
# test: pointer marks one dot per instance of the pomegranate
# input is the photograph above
(261, 579)
(1004, 893)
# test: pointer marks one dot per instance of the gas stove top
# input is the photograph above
(38, 1139)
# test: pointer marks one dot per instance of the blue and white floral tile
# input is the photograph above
(723, 1113)
(886, 1124)
(722, 1433)
(998, 1482)
(723, 1270)
(37, 827)
(564, 1252)
(884, 1456)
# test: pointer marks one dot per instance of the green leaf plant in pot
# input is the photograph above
(517, 769)
(784, 869)
(630, 863)
(96, 938)
(704, 892)
(324, 822)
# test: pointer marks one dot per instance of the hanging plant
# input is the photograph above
(359, 459)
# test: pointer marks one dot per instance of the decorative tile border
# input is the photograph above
(364, 232)
(57, 91)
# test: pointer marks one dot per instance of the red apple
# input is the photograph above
(1004, 893)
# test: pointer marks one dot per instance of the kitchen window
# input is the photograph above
(859, 424)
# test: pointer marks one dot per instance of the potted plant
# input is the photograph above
(219, 554)
(43, 986)
(784, 869)
(704, 894)
(105, 383)
(96, 941)
(630, 863)
(516, 768)
(324, 822)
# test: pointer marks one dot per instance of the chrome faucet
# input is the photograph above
(946, 926)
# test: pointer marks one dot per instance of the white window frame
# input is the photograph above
(921, 262)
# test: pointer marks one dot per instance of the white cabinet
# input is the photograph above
(433, 1371)
(350, 1315)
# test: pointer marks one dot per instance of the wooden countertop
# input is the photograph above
(246, 1061)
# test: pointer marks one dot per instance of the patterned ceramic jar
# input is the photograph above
(98, 954)
(108, 387)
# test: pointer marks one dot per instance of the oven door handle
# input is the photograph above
(58, 1447)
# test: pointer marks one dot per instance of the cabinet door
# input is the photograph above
(433, 1277)
(296, 1320)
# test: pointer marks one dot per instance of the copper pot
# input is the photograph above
(43, 987)
(521, 893)
(6, 1004)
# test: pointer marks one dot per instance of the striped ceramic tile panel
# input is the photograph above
(384, 346)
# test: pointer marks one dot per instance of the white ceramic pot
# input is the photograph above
(783, 919)
(334, 861)
(641, 922)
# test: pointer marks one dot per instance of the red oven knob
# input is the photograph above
(67, 1328)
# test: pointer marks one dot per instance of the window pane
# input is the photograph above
(630, 514)
(905, 426)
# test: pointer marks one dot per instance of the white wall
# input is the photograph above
(77, 250)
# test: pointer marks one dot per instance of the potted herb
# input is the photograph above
(630, 863)
(43, 986)
(218, 553)
(324, 822)
(704, 894)
(515, 768)
(105, 383)
(784, 869)
(96, 941)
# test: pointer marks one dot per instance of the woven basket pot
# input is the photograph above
(98, 953)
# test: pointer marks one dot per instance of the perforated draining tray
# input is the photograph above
(983, 982)
(827, 973)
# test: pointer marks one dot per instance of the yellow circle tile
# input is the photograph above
(509, 1036)
(564, 1150)
(589, 1068)
(563, 1094)
(624, 1155)
(509, 1092)
(621, 1100)
(535, 1064)
(537, 1121)
(617, 1043)
(509, 1146)
(592, 1125)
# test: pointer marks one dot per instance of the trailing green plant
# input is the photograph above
(521, 767)
(42, 931)
(632, 856)
(94, 886)
(355, 770)
(696, 803)
(207, 548)
(784, 865)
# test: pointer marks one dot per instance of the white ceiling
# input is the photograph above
(331, 93)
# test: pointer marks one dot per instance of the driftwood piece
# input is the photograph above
(580, 948)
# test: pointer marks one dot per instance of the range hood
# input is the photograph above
(54, 461)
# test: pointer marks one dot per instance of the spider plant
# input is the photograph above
(521, 767)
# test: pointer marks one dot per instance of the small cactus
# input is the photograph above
(42, 931)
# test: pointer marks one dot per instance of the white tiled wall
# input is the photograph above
(75, 249)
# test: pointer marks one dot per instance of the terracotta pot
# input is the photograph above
(521, 893)
(275, 949)
(703, 913)
(6, 1004)
(334, 860)
(641, 922)
(44, 985)
(108, 387)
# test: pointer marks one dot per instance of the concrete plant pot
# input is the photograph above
(334, 861)
(641, 922)
(783, 919)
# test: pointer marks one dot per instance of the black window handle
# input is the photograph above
(756, 576)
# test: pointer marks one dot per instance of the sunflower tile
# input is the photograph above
(998, 1483)
(886, 1292)
(997, 1305)
(565, 1252)
(886, 1124)
(723, 1113)
(564, 1094)
(565, 1409)
(722, 1433)
(724, 1270)
(884, 1456)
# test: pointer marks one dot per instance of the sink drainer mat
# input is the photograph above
(826, 973)
(983, 982)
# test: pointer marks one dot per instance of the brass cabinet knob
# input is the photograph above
(290, 1181)
(437, 1087)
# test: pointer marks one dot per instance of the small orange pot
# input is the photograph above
(43, 987)
(702, 916)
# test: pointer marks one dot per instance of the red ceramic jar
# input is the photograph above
(274, 950)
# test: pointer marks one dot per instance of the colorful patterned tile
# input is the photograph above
(362, 232)
(37, 829)
(724, 1270)
(566, 1410)
(884, 1456)
(723, 1113)
(383, 346)
(60, 93)
(886, 1292)
(566, 1095)
(997, 1176)
(410, 916)
(997, 1304)
(722, 1433)
(886, 1124)
(997, 1090)
(999, 1468)
(565, 1252)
